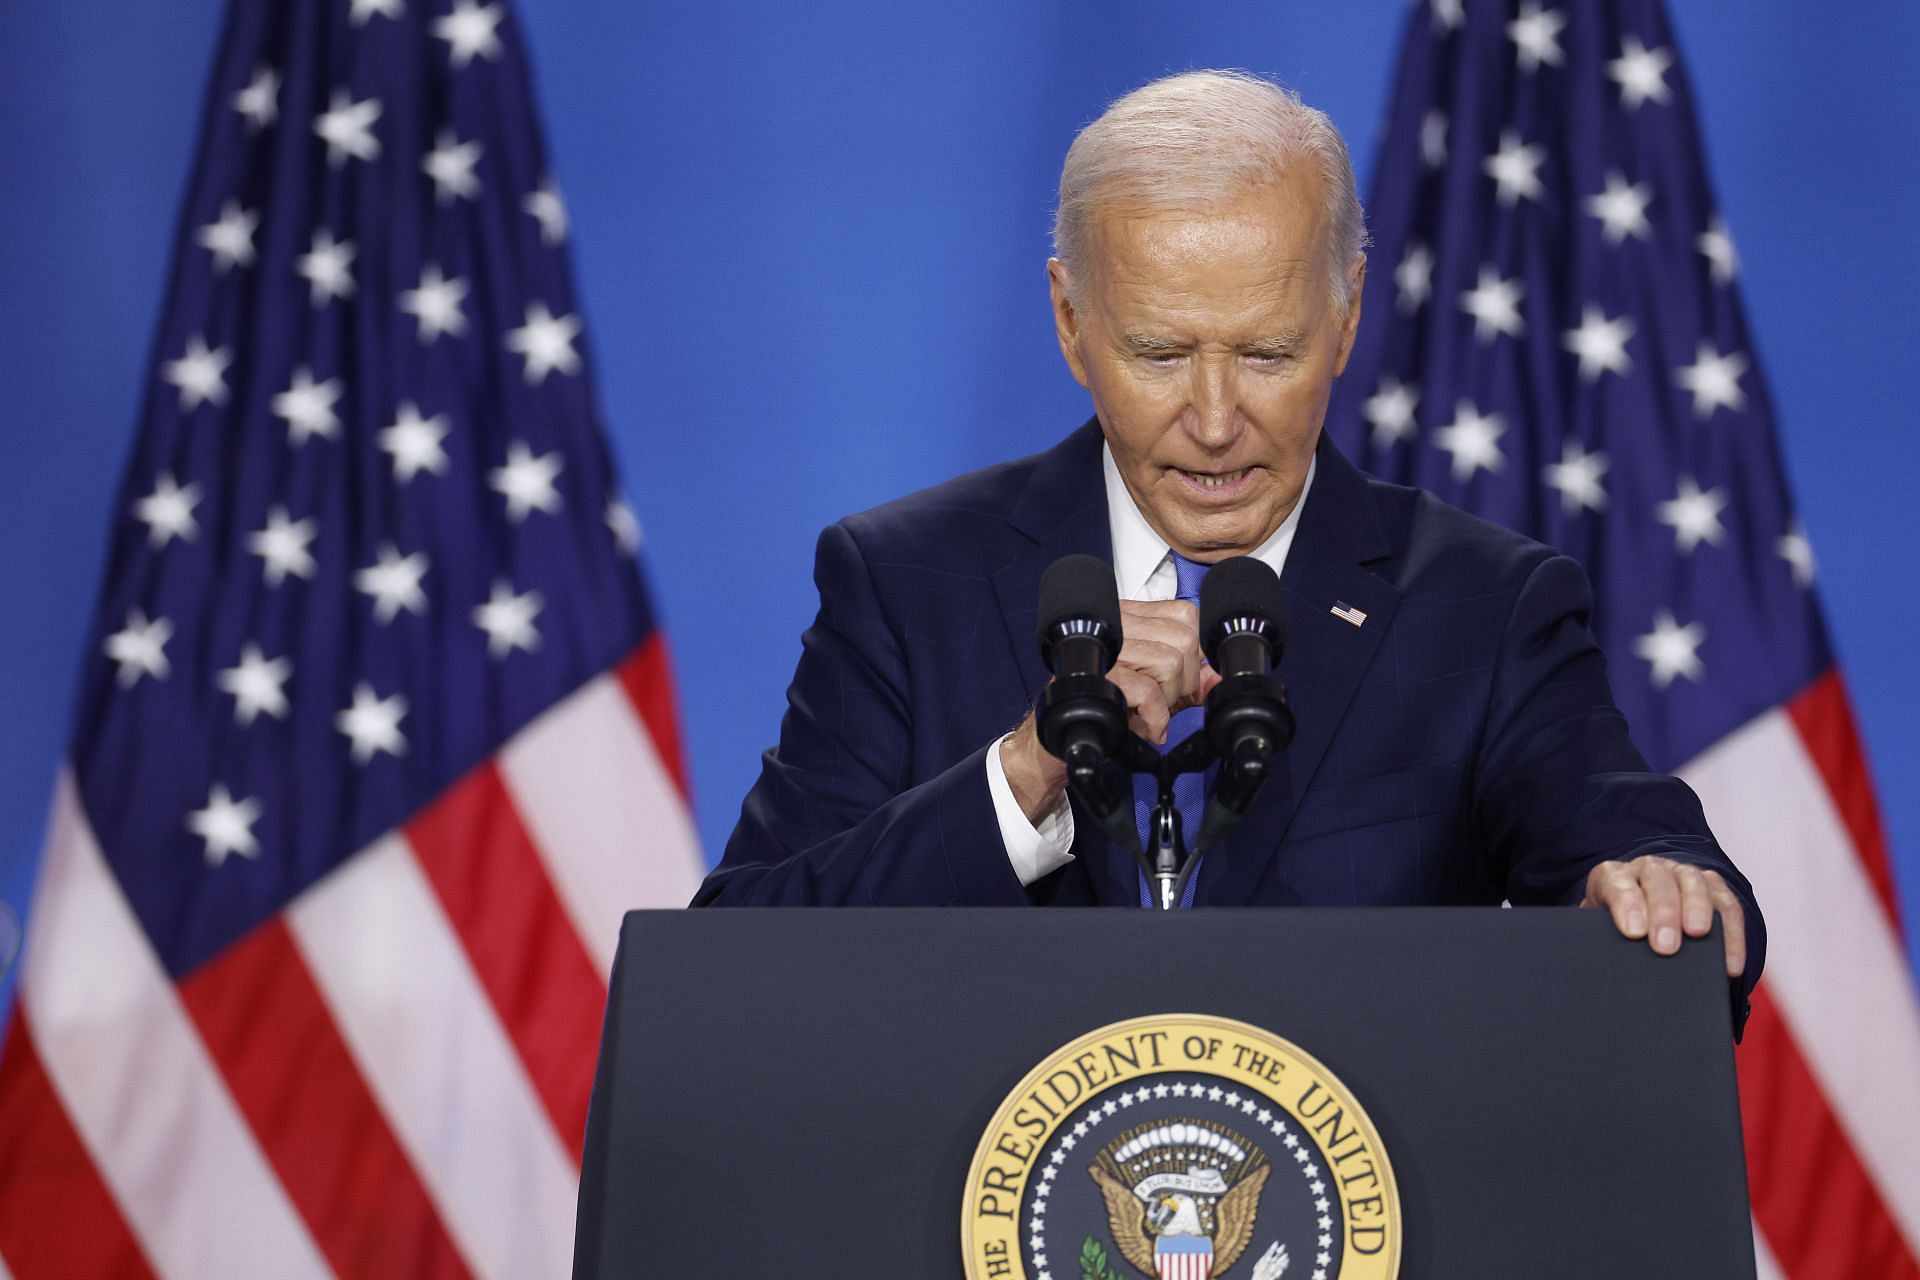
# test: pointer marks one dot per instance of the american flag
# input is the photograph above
(1552, 337)
(374, 741)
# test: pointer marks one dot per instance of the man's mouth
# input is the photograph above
(1215, 484)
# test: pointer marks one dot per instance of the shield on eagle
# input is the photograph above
(1183, 1257)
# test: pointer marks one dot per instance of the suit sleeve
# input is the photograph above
(837, 817)
(1559, 785)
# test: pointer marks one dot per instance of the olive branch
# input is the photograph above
(1093, 1262)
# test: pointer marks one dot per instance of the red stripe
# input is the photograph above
(293, 1077)
(1826, 726)
(1815, 1202)
(548, 992)
(57, 1218)
(647, 676)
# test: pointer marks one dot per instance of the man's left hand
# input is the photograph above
(1656, 898)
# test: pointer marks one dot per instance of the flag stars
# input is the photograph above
(257, 684)
(1671, 649)
(526, 481)
(1793, 547)
(1622, 210)
(328, 268)
(546, 207)
(225, 826)
(414, 442)
(545, 342)
(199, 373)
(436, 304)
(1413, 278)
(508, 620)
(1714, 380)
(1693, 515)
(1515, 170)
(347, 128)
(230, 237)
(364, 11)
(1494, 305)
(1717, 246)
(373, 724)
(1433, 139)
(282, 546)
(1448, 15)
(1473, 438)
(1536, 35)
(140, 648)
(168, 511)
(469, 32)
(450, 165)
(1390, 410)
(393, 581)
(307, 407)
(624, 525)
(1641, 73)
(1578, 476)
(259, 102)
(1600, 343)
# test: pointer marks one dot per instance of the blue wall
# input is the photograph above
(811, 252)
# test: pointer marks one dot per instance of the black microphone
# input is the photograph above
(1243, 633)
(1082, 716)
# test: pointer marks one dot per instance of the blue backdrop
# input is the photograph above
(811, 251)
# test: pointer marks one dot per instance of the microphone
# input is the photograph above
(1082, 716)
(1243, 633)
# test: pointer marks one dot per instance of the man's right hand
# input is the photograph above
(1160, 671)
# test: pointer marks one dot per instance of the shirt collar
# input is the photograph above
(1138, 551)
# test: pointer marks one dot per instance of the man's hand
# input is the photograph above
(1159, 672)
(1657, 898)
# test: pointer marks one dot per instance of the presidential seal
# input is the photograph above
(1180, 1147)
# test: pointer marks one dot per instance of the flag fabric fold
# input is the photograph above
(1553, 338)
(374, 741)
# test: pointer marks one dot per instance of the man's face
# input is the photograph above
(1209, 341)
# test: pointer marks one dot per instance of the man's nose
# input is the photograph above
(1215, 402)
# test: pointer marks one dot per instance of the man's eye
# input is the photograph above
(1162, 359)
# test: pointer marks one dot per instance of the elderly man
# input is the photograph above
(1458, 741)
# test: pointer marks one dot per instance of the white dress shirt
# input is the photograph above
(1143, 570)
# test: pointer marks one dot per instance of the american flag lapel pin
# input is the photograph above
(1347, 613)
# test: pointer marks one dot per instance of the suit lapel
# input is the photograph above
(1326, 657)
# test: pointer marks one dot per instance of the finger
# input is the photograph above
(1613, 885)
(1145, 700)
(1662, 888)
(1733, 922)
(1696, 903)
(1175, 671)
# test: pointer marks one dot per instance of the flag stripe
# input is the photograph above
(1825, 722)
(424, 1034)
(1851, 1006)
(57, 1218)
(647, 677)
(496, 894)
(286, 1066)
(1820, 1212)
(603, 811)
(1764, 1265)
(136, 1079)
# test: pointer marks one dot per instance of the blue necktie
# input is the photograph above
(1189, 789)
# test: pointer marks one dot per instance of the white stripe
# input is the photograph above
(437, 1059)
(1765, 1268)
(1835, 967)
(137, 1081)
(603, 810)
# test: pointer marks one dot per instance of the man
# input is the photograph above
(1457, 741)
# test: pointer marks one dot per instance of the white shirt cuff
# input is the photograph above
(1033, 850)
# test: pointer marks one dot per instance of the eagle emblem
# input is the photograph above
(1182, 1196)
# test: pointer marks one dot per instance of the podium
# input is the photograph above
(810, 1093)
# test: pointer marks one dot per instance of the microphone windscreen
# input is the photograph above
(1075, 587)
(1237, 588)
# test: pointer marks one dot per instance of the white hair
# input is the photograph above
(1198, 139)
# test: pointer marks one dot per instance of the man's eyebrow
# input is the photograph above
(1278, 344)
(1149, 342)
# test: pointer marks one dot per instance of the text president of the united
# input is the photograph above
(1458, 742)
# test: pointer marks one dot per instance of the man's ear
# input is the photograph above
(1066, 320)
(1356, 282)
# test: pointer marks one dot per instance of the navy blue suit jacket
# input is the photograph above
(1460, 746)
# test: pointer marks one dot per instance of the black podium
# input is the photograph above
(802, 1093)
